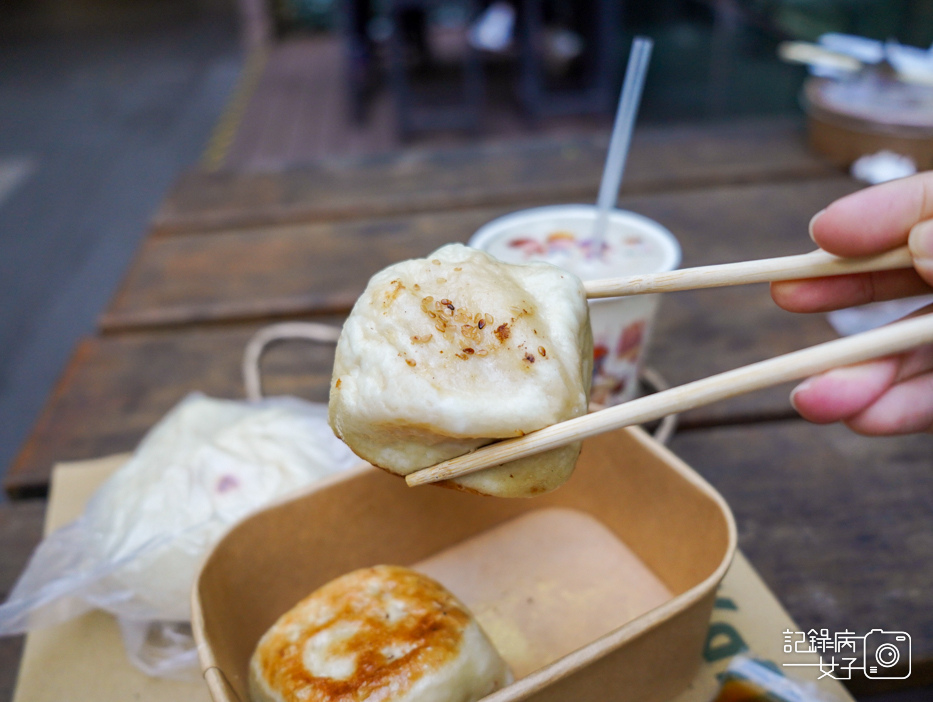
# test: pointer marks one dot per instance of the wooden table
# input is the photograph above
(837, 524)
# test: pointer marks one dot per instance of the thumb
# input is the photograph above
(920, 242)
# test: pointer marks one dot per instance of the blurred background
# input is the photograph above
(103, 103)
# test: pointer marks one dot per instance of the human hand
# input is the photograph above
(893, 395)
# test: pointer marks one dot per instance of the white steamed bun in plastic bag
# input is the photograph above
(136, 549)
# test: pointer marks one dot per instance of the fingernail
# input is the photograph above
(921, 241)
(803, 387)
(813, 221)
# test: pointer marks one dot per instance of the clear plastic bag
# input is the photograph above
(136, 549)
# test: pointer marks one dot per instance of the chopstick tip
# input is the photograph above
(419, 477)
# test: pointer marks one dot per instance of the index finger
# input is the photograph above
(876, 219)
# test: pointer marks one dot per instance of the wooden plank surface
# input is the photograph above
(838, 525)
(278, 271)
(132, 379)
(20, 532)
(528, 171)
(271, 272)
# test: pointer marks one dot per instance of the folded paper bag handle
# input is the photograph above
(257, 345)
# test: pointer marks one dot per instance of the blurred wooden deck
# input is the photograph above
(293, 106)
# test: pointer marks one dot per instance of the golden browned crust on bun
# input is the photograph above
(444, 354)
(385, 633)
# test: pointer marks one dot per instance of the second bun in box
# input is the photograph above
(385, 633)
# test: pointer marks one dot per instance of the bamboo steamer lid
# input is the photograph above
(870, 112)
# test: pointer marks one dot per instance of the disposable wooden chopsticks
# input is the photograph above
(884, 341)
(811, 265)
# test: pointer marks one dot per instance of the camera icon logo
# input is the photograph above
(887, 655)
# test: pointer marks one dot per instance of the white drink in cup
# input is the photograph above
(633, 245)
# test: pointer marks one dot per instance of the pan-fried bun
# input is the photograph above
(444, 354)
(385, 633)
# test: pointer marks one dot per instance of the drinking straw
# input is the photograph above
(621, 136)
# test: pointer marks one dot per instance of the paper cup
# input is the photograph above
(633, 245)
